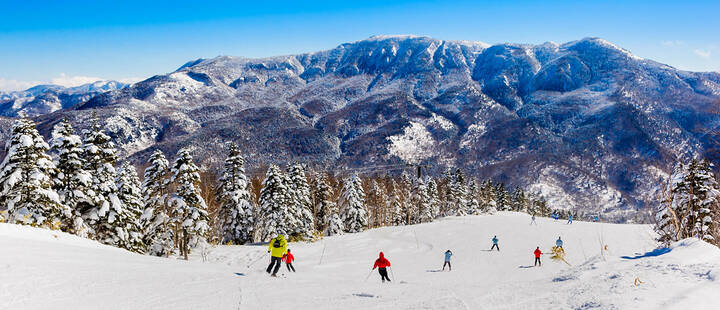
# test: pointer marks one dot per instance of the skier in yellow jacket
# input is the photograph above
(277, 248)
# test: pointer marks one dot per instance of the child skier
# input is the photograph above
(559, 243)
(448, 254)
(277, 248)
(537, 256)
(382, 263)
(495, 244)
(289, 258)
(570, 219)
(555, 216)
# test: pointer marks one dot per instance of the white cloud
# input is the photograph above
(13, 85)
(702, 53)
(70, 81)
(62, 80)
(673, 43)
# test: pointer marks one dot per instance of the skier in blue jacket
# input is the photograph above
(559, 243)
(495, 244)
(569, 219)
(448, 254)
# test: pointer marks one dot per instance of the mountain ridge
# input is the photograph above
(585, 123)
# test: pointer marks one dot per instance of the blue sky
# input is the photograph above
(71, 42)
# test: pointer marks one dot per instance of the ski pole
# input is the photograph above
(256, 260)
(392, 273)
(369, 273)
(323, 253)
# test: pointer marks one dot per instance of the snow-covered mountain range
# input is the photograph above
(586, 123)
(43, 99)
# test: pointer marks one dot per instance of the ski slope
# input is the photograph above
(40, 270)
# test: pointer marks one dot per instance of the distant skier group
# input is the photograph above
(280, 253)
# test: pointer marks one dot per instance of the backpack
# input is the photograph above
(277, 243)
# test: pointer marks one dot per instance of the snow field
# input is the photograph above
(44, 269)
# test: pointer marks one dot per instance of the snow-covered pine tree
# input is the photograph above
(156, 219)
(352, 205)
(405, 190)
(190, 209)
(472, 202)
(458, 194)
(273, 214)
(130, 194)
(396, 216)
(334, 222)
(72, 182)
(106, 216)
(433, 195)
(489, 204)
(26, 180)
(236, 213)
(323, 202)
(519, 201)
(504, 201)
(707, 208)
(375, 202)
(300, 204)
(422, 200)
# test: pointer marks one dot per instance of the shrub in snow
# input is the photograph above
(352, 205)
(235, 210)
(155, 220)
(26, 180)
(189, 209)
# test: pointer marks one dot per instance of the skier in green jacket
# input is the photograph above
(277, 248)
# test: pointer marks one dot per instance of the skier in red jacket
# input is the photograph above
(288, 259)
(382, 263)
(537, 256)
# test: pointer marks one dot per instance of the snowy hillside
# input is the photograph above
(43, 99)
(43, 269)
(586, 124)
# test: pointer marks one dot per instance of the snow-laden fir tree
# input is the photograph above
(504, 201)
(236, 213)
(473, 205)
(396, 216)
(489, 198)
(405, 192)
(72, 182)
(273, 214)
(376, 203)
(188, 204)
(433, 194)
(156, 219)
(693, 205)
(707, 206)
(335, 224)
(519, 201)
(300, 203)
(352, 205)
(106, 216)
(323, 202)
(422, 200)
(457, 194)
(26, 180)
(130, 194)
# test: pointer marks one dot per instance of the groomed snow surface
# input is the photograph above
(43, 269)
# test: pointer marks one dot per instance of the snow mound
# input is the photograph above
(44, 269)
